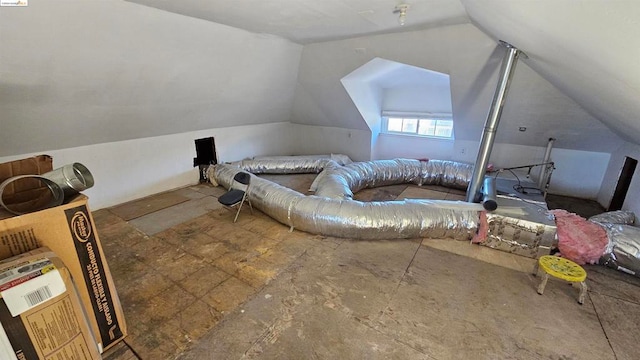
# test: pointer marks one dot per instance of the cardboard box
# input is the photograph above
(40, 312)
(27, 189)
(69, 231)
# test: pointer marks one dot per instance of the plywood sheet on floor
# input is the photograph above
(121, 352)
(383, 193)
(421, 193)
(450, 306)
(398, 300)
(620, 319)
(138, 208)
(482, 253)
(160, 220)
(298, 182)
(208, 288)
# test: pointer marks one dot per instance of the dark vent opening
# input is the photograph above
(205, 156)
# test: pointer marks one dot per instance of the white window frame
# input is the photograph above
(416, 115)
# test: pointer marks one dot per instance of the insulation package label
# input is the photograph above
(17, 241)
(94, 273)
(24, 271)
(40, 312)
(55, 330)
(28, 284)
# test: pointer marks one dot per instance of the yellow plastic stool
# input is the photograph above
(564, 269)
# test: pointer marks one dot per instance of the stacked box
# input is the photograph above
(69, 231)
(41, 316)
(27, 189)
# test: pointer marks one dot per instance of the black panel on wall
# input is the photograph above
(206, 152)
(205, 156)
(624, 182)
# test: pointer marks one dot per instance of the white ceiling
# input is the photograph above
(587, 49)
(114, 70)
(307, 21)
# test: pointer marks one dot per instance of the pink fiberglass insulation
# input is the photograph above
(483, 229)
(579, 240)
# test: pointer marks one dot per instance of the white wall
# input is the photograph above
(131, 169)
(390, 146)
(632, 201)
(309, 140)
(435, 98)
(472, 60)
(577, 173)
(76, 73)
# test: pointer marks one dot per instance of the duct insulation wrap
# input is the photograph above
(615, 217)
(341, 182)
(623, 251)
(288, 166)
(516, 235)
(341, 159)
(355, 219)
(306, 164)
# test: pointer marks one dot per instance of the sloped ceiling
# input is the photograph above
(587, 49)
(76, 73)
(85, 72)
(472, 60)
(308, 21)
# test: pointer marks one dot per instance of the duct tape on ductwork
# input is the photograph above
(623, 251)
(520, 227)
(518, 236)
(355, 219)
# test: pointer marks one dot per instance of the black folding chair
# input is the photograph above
(237, 194)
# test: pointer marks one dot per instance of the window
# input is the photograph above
(432, 125)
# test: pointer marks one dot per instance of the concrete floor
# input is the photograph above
(196, 286)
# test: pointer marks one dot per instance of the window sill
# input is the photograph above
(426, 137)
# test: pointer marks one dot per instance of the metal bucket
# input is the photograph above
(71, 178)
(43, 200)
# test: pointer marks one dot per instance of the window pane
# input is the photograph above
(394, 124)
(444, 128)
(427, 127)
(424, 126)
(410, 125)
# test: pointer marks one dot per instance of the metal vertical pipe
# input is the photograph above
(489, 193)
(542, 177)
(493, 119)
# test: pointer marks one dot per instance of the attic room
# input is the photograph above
(128, 88)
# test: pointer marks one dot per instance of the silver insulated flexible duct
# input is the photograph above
(306, 164)
(341, 182)
(275, 166)
(623, 251)
(338, 215)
